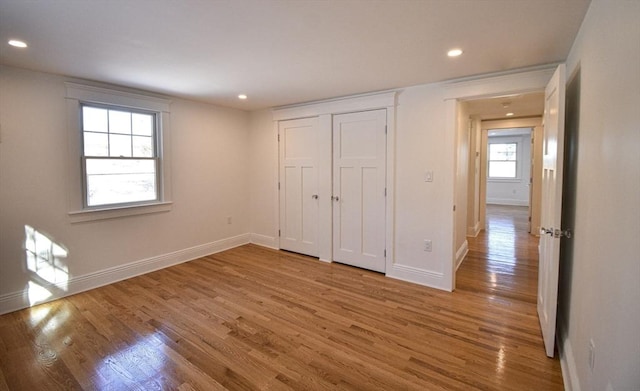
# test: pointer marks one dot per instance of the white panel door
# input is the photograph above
(299, 185)
(549, 248)
(359, 176)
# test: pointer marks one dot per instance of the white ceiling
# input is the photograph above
(285, 51)
(521, 105)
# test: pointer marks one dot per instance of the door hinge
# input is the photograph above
(278, 137)
(385, 129)
(385, 191)
(278, 185)
(385, 252)
(278, 233)
(454, 208)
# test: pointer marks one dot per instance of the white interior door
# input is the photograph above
(359, 176)
(298, 144)
(549, 248)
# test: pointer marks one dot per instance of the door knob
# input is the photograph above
(315, 196)
(336, 198)
(562, 233)
(545, 231)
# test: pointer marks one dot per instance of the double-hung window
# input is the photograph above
(503, 160)
(120, 156)
(119, 153)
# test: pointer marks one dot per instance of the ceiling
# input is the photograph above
(281, 52)
(521, 105)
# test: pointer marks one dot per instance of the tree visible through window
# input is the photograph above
(502, 160)
(120, 155)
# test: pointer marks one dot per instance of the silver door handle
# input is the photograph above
(566, 233)
(315, 196)
(335, 198)
(545, 231)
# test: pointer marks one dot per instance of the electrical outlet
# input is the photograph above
(592, 355)
(427, 245)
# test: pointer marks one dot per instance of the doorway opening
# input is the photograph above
(502, 194)
(508, 178)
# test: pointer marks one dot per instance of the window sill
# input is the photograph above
(504, 180)
(116, 212)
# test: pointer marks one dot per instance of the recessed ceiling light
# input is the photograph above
(454, 52)
(242, 96)
(18, 44)
(509, 114)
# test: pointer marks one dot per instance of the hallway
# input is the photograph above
(503, 259)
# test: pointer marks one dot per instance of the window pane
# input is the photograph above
(120, 166)
(116, 181)
(143, 146)
(502, 169)
(119, 145)
(94, 119)
(142, 124)
(96, 144)
(119, 122)
(502, 151)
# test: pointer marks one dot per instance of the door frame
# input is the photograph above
(325, 110)
(535, 123)
(534, 80)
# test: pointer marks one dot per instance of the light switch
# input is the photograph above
(428, 176)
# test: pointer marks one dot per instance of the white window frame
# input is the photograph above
(76, 96)
(517, 176)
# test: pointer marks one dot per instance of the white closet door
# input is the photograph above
(299, 185)
(359, 176)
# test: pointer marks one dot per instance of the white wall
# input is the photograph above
(473, 183)
(516, 191)
(424, 210)
(425, 129)
(263, 178)
(604, 296)
(225, 165)
(463, 139)
(209, 171)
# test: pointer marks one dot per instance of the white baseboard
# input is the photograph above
(473, 231)
(265, 241)
(507, 201)
(417, 276)
(461, 253)
(568, 364)
(18, 300)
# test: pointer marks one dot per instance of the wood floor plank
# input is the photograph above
(253, 318)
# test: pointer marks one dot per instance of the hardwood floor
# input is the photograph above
(258, 319)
